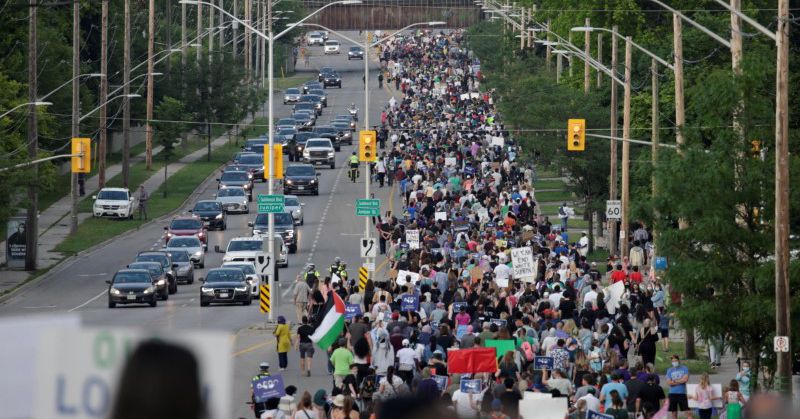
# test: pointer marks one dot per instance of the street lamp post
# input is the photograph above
(270, 38)
(87, 114)
(37, 103)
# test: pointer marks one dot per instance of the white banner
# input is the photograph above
(498, 141)
(614, 293)
(412, 238)
(523, 263)
(401, 277)
(440, 215)
(450, 161)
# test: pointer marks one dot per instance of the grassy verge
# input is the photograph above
(548, 184)
(547, 173)
(696, 366)
(554, 196)
(552, 210)
(599, 255)
(180, 186)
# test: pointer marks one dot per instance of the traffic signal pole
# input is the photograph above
(366, 128)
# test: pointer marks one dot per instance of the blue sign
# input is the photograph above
(441, 381)
(351, 311)
(499, 322)
(661, 263)
(409, 303)
(491, 225)
(457, 306)
(469, 170)
(434, 324)
(470, 386)
(591, 414)
(511, 243)
(405, 246)
(543, 362)
(461, 330)
(266, 388)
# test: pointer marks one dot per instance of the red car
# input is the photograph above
(187, 226)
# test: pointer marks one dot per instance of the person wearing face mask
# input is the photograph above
(677, 377)
(743, 378)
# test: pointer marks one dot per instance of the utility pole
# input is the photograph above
(183, 35)
(247, 40)
(569, 57)
(612, 224)
(261, 39)
(76, 71)
(210, 34)
(600, 58)
(522, 30)
(169, 39)
(235, 27)
(221, 31)
(558, 68)
(199, 49)
(587, 45)
(126, 101)
(151, 29)
(626, 148)
(32, 215)
(783, 372)
(549, 50)
(101, 147)
(654, 133)
(680, 121)
(271, 134)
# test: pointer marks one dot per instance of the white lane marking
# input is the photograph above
(38, 307)
(100, 274)
(324, 215)
(88, 302)
(352, 234)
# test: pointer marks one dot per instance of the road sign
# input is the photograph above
(363, 276)
(368, 207)
(781, 343)
(265, 303)
(369, 247)
(270, 204)
(614, 209)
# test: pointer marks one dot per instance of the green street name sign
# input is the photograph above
(368, 207)
(270, 204)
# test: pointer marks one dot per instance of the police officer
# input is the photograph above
(311, 276)
(338, 268)
(259, 407)
(354, 166)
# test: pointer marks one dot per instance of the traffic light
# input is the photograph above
(576, 135)
(82, 163)
(277, 161)
(367, 146)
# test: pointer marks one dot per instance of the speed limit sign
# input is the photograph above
(614, 209)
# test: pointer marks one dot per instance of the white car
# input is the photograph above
(114, 203)
(295, 207)
(315, 38)
(332, 47)
(191, 245)
(249, 269)
(233, 199)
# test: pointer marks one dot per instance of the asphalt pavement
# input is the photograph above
(331, 229)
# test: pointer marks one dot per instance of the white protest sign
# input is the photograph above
(498, 141)
(18, 354)
(614, 293)
(464, 96)
(450, 161)
(440, 215)
(483, 214)
(412, 238)
(523, 263)
(335, 279)
(532, 407)
(475, 95)
(501, 282)
(716, 398)
(77, 372)
(401, 277)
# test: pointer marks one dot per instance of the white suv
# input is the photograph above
(332, 47)
(114, 203)
(319, 151)
(315, 38)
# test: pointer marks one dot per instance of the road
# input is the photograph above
(331, 229)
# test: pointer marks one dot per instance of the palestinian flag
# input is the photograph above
(331, 323)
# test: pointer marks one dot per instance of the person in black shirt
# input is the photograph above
(651, 396)
(510, 399)
(305, 346)
(567, 306)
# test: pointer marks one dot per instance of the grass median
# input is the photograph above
(179, 187)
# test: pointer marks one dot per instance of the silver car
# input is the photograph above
(184, 267)
(292, 95)
(295, 207)
(191, 245)
(233, 199)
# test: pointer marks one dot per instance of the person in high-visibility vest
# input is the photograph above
(311, 276)
(259, 407)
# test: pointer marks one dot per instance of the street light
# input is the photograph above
(270, 38)
(89, 75)
(38, 103)
(131, 96)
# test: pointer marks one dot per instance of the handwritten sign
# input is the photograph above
(351, 311)
(498, 141)
(266, 388)
(450, 161)
(470, 386)
(409, 303)
(543, 362)
(440, 215)
(403, 277)
(412, 238)
(523, 263)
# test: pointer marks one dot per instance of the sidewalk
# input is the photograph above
(54, 221)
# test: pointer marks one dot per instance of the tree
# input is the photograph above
(168, 126)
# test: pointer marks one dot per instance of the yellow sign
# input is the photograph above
(576, 134)
(277, 161)
(264, 296)
(82, 163)
(363, 277)
(367, 146)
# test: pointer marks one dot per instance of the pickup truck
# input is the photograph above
(114, 203)
(319, 151)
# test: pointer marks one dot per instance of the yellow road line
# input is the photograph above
(252, 348)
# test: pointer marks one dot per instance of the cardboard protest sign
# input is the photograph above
(412, 238)
(523, 263)
(402, 277)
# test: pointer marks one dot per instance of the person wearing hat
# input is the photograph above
(407, 361)
(321, 406)
(259, 406)
(283, 338)
(343, 408)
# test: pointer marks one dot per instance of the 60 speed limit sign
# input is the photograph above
(614, 209)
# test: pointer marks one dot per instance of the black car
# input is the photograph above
(284, 226)
(314, 107)
(255, 145)
(322, 96)
(355, 53)
(332, 79)
(225, 285)
(254, 165)
(343, 131)
(299, 178)
(330, 133)
(301, 138)
(131, 286)
(212, 213)
(157, 274)
(314, 100)
(166, 262)
(241, 179)
(312, 85)
(304, 121)
(323, 71)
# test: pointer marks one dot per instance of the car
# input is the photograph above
(186, 226)
(114, 203)
(286, 123)
(233, 199)
(330, 133)
(300, 178)
(225, 285)
(190, 244)
(307, 106)
(240, 179)
(295, 207)
(305, 120)
(325, 34)
(323, 71)
(322, 95)
(332, 79)
(183, 265)
(131, 286)
(165, 260)
(346, 118)
(312, 85)
(320, 151)
(235, 167)
(253, 145)
(315, 38)
(254, 163)
(343, 131)
(238, 156)
(253, 249)
(212, 213)
(355, 53)
(331, 47)
(283, 226)
(284, 135)
(249, 271)
(157, 275)
(313, 99)
(291, 95)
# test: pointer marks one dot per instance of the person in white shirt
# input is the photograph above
(583, 245)
(591, 296)
(407, 361)
(555, 297)
(592, 402)
(501, 274)
(467, 405)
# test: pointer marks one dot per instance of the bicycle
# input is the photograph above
(353, 173)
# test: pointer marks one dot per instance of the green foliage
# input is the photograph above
(166, 129)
